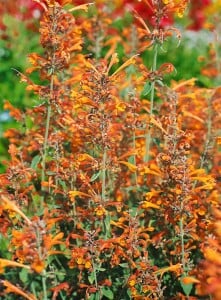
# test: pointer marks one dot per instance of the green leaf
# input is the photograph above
(50, 173)
(100, 269)
(91, 278)
(131, 70)
(95, 176)
(23, 275)
(159, 82)
(187, 288)
(92, 297)
(107, 220)
(129, 293)
(63, 184)
(107, 293)
(35, 161)
(146, 89)
(4, 247)
(124, 265)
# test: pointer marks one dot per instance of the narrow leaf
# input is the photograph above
(35, 161)
(107, 293)
(187, 287)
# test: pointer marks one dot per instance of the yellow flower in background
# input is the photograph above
(100, 211)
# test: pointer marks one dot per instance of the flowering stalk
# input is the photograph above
(152, 91)
(40, 255)
(103, 176)
(47, 125)
(51, 96)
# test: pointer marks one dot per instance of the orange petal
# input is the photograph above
(11, 288)
(130, 166)
(188, 280)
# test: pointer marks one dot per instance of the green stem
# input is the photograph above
(45, 145)
(103, 188)
(47, 125)
(43, 274)
(73, 204)
(134, 156)
(44, 285)
(152, 93)
(94, 271)
(48, 118)
(103, 176)
(208, 139)
(182, 245)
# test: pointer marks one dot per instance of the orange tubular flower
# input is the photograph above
(9, 263)
(9, 205)
(11, 288)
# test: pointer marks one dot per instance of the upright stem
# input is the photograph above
(95, 272)
(182, 244)
(48, 118)
(44, 274)
(44, 286)
(134, 156)
(208, 139)
(103, 176)
(152, 93)
(209, 134)
(45, 145)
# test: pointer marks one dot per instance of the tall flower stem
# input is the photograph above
(44, 285)
(44, 273)
(152, 93)
(134, 156)
(47, 126)
(45, 145)
(103, 192)
(48, 118)
(103, 176)
(182, 244)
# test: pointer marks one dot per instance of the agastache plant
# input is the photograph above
(111, 190)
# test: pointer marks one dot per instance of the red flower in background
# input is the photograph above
(145, 10)
(29, 10)
(24, 10)
(197, 14)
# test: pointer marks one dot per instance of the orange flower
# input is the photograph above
(9, 205)
(173, 268)
(88, 265)
(73, 194)
(213, 256)
(11, 288)
(130, 166)
(38, 266)
(189, 280)
(132, 281)
(100, 211)
(14, 112)
(147, 204)
(9, 263)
